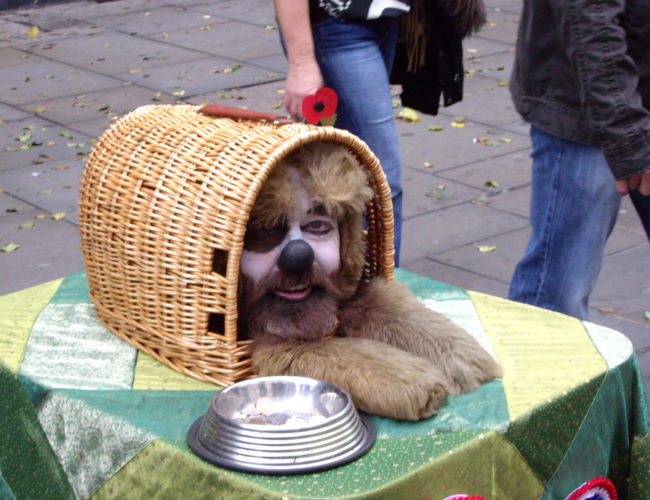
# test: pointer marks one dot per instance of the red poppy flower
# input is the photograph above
(320, 105)
(600, 488)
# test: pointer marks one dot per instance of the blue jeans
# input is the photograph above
(355, 59)
(574, 206)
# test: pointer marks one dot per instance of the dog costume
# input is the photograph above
(303, 303)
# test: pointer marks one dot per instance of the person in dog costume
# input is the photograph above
(300, 273)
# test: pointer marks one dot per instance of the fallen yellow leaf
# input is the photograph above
(57, 216)
(33, 31)
(10, 247)
(486, 248)
(458, 122)
(409, 115)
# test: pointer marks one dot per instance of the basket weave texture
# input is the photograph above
(165, 198)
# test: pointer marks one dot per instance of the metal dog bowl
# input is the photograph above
(281, 425)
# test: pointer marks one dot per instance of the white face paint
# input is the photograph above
(319, 231)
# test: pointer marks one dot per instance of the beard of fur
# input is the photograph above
(263, 316)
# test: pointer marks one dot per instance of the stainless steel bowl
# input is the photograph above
(281, 425)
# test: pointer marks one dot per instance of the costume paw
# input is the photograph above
(381, 379)
(467, 369)
(418, 392)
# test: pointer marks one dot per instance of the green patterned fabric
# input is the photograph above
(83, 414)
(426, 288)
(28, 465)
(639, 488)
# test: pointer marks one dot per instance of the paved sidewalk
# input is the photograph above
(466, 171)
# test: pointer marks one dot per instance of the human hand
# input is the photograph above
(640, 181)
(302, 80)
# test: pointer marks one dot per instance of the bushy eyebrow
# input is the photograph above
(318, 210)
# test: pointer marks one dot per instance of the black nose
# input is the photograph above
(296, 257)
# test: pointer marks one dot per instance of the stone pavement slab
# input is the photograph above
(10, 56)
(159, 20)
(496, 174)
(501, 25)
(10, 205)
(449, 141)
(106, 104)
(483, 102)
(427, 192)
(514, 201)
(453, 228)
(33, 141)
(231, 39)
(9, 113)
(110, 53)
(494, 256)
(200, 76)
(51, 187)
(48, 250)
(259, 12)
(47, 79)
(626, 267)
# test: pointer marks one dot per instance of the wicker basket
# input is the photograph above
(164, 202)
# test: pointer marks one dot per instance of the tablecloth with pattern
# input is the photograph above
(83, 414)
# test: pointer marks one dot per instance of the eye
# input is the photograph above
(318, 227)
(264, 238)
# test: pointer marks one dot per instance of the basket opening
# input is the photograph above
(216, 323)
(220, 261)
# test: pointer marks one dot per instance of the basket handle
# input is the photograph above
(230, 112)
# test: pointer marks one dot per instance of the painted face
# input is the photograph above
(264, 246)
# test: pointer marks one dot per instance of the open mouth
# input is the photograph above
(298, 293)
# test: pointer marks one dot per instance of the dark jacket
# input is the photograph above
(582, 72)
(442, 74)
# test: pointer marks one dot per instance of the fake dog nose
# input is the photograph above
(297, 256)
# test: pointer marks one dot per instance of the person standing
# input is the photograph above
(582, 80)
(353, 58)
(350, 46)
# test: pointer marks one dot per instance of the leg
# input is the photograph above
(574, 206)
(355, 60)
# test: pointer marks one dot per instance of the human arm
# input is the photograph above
(304, 76)
(593, 35)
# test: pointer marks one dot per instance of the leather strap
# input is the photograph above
(247, 114)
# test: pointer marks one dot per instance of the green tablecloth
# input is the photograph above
(83, 414)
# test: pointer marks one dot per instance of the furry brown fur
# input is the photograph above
(394, 356)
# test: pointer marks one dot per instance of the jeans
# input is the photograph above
(355, 59)
(574, 206)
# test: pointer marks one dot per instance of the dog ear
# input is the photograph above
(353, 253)
(275, 200)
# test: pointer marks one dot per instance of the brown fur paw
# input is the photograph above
(467, 373)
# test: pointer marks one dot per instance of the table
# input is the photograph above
(83, 414)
